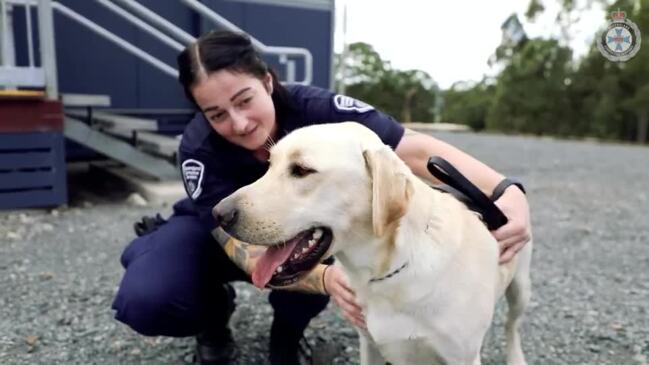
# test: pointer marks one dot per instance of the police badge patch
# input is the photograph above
(192, 171)
(620, 41)
(346, 103)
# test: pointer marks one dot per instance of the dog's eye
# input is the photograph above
(300, 171)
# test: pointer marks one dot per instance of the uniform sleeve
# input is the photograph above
(341, 108)
(206, 183)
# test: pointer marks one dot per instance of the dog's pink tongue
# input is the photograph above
(268, 263)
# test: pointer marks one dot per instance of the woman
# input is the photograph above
(169, 287)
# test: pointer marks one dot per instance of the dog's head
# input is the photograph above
(327, 186)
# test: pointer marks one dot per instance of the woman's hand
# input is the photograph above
(337, 285)
(517, 232)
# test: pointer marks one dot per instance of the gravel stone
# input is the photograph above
(59, 268)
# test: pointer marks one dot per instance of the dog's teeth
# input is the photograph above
(317, 234)
(311, 243)
(279, 269)
(305, 250)
(296, 256)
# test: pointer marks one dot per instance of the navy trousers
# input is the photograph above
(173, 283)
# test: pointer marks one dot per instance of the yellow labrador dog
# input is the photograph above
(424, 267)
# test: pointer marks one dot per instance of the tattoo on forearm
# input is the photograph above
(245, 256)
(313, 282)
(240, 254)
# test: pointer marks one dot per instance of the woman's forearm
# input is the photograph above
(246, 256)
(416, 148)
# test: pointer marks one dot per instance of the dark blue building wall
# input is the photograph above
(89, 64)
(284, 26)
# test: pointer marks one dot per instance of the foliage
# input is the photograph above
(468, 104)
(611, 98)
(408, 95)
(530, 96)
(541, 89)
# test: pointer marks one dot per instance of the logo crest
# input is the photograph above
(346, 104)
(193, 171)
(620, 41)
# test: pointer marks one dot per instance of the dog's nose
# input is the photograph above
(225, 214)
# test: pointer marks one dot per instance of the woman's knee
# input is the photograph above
(153, 309)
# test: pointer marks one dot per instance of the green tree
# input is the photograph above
(408, 95)
(530, 96)
(610, 98)
(635, 76)
(466, 103)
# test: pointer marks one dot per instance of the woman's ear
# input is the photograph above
(268, 83)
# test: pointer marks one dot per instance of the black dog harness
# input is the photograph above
(464, 190)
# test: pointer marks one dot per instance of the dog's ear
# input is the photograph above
(391, 189)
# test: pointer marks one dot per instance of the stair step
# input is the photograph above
(85, 100)
(119, 150)
(114, 121)
(158, 143)
(154, 143)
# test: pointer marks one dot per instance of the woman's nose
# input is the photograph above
(239, 123)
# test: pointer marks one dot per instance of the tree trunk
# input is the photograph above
(406, 113)
(643, 123)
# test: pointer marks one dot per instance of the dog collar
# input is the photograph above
(393, 273)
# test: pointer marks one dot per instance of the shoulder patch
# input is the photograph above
(346, 104)
(192, 171)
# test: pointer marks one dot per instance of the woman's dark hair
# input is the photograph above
(219, 50)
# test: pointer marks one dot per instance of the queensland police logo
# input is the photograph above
(192, 171)
(621, 39)
(347, 104)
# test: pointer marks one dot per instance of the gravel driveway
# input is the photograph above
(590, 207)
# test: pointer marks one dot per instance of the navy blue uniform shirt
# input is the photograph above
(213, 168)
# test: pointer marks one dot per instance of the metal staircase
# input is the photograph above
(121, 135)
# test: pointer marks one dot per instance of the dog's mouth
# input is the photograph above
(284, 263)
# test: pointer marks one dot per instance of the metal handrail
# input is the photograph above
(30, 40)
(115, 39)
(4, 31)
(157, 20)
(142, 25)
(283, 52)
(178, 33)
(48, 55)
(48, 51)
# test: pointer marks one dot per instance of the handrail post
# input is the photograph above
(3, 31)
(7, 54)
(48, 51)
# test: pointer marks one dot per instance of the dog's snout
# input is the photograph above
(225, 214)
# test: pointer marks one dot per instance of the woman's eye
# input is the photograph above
(245, 101)
(301, 171)
(218, 117)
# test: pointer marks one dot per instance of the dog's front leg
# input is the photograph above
(370, 354)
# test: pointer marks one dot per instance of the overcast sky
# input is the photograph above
(451, 40)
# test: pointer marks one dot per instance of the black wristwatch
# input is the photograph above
(503, 185)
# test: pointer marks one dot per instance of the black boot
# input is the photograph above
(288, 345)
(215, 346)
(215, 349)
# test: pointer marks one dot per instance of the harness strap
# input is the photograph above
(478, 201)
